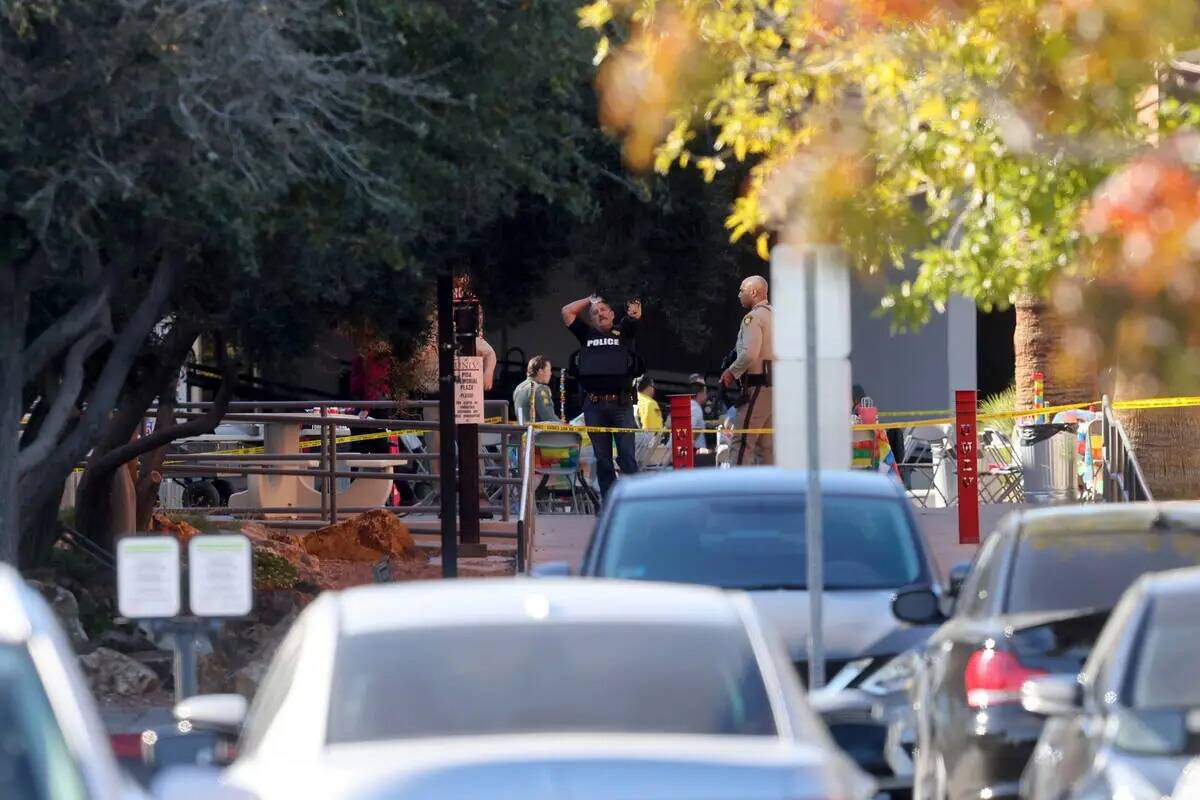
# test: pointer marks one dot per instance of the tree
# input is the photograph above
(254, 173)
(955, 144)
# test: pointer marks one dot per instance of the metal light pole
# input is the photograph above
(812, 361)
(446, 459)
(812, 522)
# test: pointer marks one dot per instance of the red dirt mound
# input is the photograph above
(367, 537)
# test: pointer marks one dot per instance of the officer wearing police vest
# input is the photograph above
(606, 367)
(754, 354)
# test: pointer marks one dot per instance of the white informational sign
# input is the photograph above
(468, 390)
(220, 575)
(148, 577)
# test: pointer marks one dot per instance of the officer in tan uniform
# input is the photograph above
(755, 352)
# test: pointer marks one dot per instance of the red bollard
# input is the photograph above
(682, 456)
(966, 440)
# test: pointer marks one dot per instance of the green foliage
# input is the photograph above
(274, 571)
(1000, 403)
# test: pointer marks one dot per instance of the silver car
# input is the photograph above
(538, 690)
(52, 743)
(1129, 723)
(744, 529)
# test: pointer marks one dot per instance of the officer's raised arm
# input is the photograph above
(572, 310)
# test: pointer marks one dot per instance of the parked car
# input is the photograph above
(1033, 603)
(530, 689)
(745, 530)
(1129, 723)
(52, 743)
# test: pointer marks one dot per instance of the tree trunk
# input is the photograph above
(1040, 347)
(1163, 440)
(13, 307)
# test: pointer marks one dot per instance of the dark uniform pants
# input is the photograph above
(755, 448)
(611, 415)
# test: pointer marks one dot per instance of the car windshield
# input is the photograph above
(1170, 638)
(35, 763)
(1064, 571)
(552, 677)
(759, 542)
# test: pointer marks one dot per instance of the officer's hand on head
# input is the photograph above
(634, 309)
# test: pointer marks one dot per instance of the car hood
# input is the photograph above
(561, 767)
(857, 623)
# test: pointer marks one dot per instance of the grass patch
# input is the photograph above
(272, 571)
(205, 523)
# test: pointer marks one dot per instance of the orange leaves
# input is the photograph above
(1137, 308)
(641, 81)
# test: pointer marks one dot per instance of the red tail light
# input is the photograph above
(126, 745)
(994, 677)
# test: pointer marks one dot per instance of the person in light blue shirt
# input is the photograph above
(699, 391)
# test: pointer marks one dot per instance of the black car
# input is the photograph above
(744, 530)
(1032, 603)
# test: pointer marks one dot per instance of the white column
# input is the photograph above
(833, 355)
(961, 347)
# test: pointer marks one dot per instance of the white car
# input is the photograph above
(530, 689)
(52, 743)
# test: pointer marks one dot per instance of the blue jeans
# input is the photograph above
(611, 415)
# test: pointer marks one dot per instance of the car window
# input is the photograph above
(35, 763)
(1097, 675)
(982, 579)
(1162, 677)
(760, 542)
(273, 690)
(550, 677)
(1063, 571)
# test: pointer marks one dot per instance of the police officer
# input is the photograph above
(755, 352)
(607, 364)
(532, 398)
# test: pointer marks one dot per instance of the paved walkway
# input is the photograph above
(563, 537)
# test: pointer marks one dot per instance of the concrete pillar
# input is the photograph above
(788, 265)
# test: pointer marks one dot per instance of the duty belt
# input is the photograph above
(760, 379)
(610, 397)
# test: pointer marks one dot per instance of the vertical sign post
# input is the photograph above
(682, 456)
(966, 441)
(447, 425)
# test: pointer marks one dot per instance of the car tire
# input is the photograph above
(201, 494)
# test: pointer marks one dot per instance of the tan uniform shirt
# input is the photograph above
(755, 341)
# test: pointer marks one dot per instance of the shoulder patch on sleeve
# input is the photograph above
(747, 319)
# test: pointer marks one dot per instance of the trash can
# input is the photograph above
(1047, 454)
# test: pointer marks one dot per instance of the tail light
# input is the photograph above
(126, 745)
(994, 677)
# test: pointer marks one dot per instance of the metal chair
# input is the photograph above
(918, 471)
(556, 455)
(1000, 476)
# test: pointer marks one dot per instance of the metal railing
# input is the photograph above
(326, 466)
(1123, 478)
(527, 515)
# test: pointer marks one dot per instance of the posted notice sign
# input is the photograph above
(220, 575)
(468, 390)
(148, 577)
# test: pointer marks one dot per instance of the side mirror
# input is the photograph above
(220, 713)
(917, 607)
(1052, 695)
(551, 569)
(195, 783)
(958, 574)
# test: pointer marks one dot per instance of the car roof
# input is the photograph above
(1183, 583)
(508, 601)
(1110, 518)
(754, 480)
